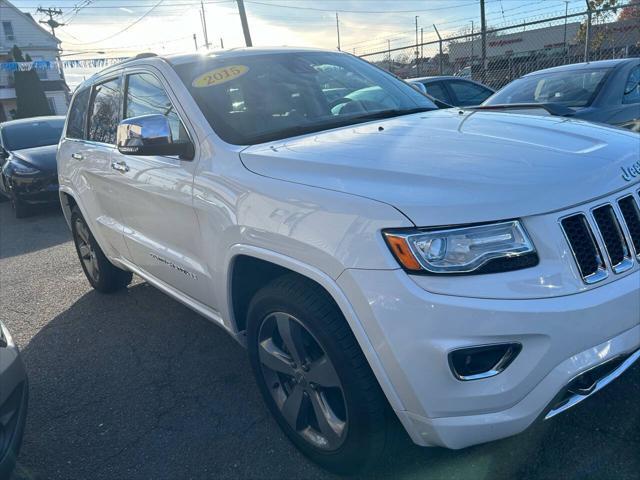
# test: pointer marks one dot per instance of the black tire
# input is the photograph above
(20, 208)
(101, 273)
(371, 426)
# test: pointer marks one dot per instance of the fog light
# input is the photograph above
(484, 361)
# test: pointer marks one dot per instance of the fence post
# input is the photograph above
(587, 35)
(439, 43)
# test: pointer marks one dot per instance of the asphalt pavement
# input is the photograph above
(136, 386)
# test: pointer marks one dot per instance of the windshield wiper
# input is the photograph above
(553, 108)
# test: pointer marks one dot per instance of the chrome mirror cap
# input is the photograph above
(150, 135)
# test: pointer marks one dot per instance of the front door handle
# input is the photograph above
(77, 156)
(120, 166)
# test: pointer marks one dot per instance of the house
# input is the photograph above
(19, 28)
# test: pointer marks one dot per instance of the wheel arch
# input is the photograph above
(67, 202)
(240, 259)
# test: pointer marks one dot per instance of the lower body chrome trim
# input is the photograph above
(599, 385)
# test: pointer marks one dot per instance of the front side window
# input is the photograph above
(78, 115)
(32, 134)
(251, 99)
(632, 87)
(572, 88)
(145, 96)
(468, 94)
(105, 112)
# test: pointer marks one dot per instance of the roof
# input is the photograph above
(587, 65)
(435, 77)
(179, 59)
(21, 121)
(31, 20)
(239, 52)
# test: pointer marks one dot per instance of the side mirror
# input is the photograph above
(150, 135)
(419, 87)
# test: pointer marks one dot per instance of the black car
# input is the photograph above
(28, 170)
(607, 91)
(456, 91)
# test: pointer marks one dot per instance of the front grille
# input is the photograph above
(612, 229)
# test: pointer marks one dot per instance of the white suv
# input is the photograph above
(465, 272)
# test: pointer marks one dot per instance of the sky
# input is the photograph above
(116, 28)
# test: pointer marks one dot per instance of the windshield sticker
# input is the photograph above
(219, 75)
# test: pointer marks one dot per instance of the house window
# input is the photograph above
(8, 31)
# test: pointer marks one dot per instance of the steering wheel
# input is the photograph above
(339, 101)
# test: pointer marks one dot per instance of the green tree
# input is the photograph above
(30, 98)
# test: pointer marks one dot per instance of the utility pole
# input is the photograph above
(566, 13)
(245, 24)
(473, 41)
(52, 12)
(421, 44)
(195, 41)
(338, 29)
(221, 43)
(440, 42)
(389, 54)
(483, 31)
(417, 51)
(587, 36)
(203, 16)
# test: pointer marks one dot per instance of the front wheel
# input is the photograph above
(101, 273)
(314, 377)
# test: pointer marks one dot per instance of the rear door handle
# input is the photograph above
(120, 166)
(77, 156)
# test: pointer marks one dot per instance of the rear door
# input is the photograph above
(155, 193)
(85, 157)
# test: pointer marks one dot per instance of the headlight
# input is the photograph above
(24, 169)
(490, 248)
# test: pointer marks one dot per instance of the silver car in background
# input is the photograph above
(13, 402)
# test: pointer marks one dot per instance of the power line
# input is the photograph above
(135, 22)
(340, 10)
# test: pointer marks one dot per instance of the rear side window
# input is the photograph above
(78, 115)
(438, 91)
(145, 96)
(632, 87)
(105, 112)
(469, 93)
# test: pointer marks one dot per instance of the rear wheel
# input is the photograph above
(101, 273)
(314, 377)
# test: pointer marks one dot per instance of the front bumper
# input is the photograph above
(413, 331)
(36, 189)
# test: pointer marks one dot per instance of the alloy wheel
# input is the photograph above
(86, 251)
(302, 381)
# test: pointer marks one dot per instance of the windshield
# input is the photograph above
(259, 98)
(572, 88)
(32, 134)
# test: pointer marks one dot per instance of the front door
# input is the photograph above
(155, 195)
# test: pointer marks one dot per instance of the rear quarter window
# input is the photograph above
(78, 115)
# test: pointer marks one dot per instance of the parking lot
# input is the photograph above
(135, 385)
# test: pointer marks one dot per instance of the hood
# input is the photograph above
(452, 167)
(42, 158)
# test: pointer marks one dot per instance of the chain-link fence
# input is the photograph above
(506, 53)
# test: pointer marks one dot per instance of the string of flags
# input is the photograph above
(55, 65)
(92, 62)
(26, 66)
